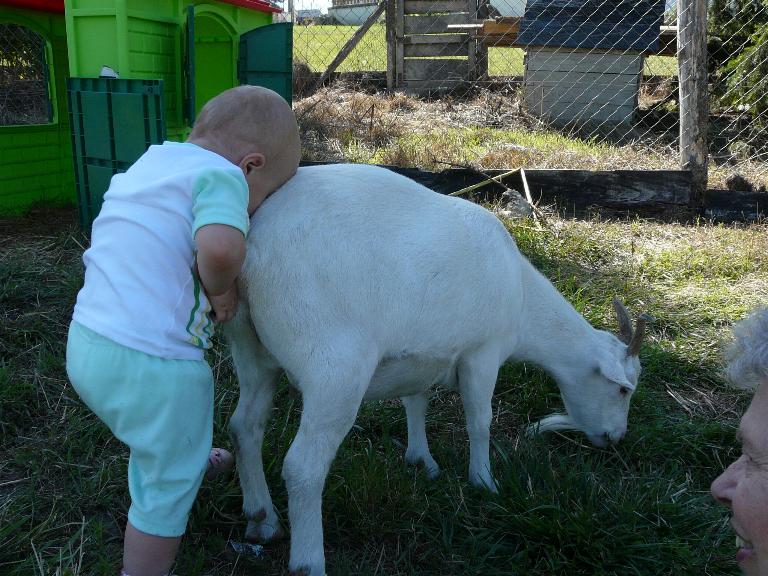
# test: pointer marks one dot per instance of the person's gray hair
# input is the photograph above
(747, 355)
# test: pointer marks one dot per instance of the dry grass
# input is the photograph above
(488, 129)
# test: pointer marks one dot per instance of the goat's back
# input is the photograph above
(354, 251)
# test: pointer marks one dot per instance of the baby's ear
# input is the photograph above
(252, 161)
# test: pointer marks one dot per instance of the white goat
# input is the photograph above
(361, 284)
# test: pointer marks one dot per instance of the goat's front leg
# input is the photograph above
(477, 379)
(418, 446)
(330, 405)
(258, 375)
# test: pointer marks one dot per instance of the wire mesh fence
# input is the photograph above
(738, 64)
(604, 72)
(23, 77)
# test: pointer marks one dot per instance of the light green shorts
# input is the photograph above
(162, 409)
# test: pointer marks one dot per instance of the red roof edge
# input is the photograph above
(56, 6)
(259, 5)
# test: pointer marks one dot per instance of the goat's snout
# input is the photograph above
(615, 436)
(607, 438)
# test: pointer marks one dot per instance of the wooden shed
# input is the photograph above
(585, 58)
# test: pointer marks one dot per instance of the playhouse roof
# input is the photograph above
(260, 5)
(43, 5)
(58, 5)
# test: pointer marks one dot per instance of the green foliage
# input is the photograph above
(747, 74)
(738, 46)
(730, 25)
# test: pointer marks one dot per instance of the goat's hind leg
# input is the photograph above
(477, 379)
(418, 446)
(258, 375)
(332, 391)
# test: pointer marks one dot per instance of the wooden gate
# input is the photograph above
(431, 45)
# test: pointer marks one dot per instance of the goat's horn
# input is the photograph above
(625, 323)
(633, 349)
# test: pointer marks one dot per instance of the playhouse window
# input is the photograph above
(24, 95)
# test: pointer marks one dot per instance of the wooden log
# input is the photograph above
(351, 43)
(734, 206)
(639, 191)
(694, 112)
(614, 188)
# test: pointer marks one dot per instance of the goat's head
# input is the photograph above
(597, 389)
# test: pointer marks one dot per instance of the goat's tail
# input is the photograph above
(551, 423)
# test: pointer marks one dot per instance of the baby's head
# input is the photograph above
(254, 128)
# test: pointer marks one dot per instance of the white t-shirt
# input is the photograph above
(140, 290)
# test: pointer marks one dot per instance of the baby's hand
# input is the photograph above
(224, 305)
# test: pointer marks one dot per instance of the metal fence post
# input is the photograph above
(694, 109)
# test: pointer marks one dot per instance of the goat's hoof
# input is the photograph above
(485, 483)
(430, 467)
(305, 571)
(432, 472)
(261, 532)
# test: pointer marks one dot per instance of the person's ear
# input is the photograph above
(251, 162)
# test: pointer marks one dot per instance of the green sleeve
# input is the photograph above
(220, 197)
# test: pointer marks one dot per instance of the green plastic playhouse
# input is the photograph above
(170, 58)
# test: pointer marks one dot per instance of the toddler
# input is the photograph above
(165, 252)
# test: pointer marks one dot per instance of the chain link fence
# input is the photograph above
(601, 73)
(738, 66)
(23, 77)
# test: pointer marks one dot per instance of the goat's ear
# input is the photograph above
(614, 371)
(625, 323)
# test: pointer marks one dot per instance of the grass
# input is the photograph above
(486, 131)
(319, 45)
(563, 507)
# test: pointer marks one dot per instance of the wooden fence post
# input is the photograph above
(694, 108)
(391, 44)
